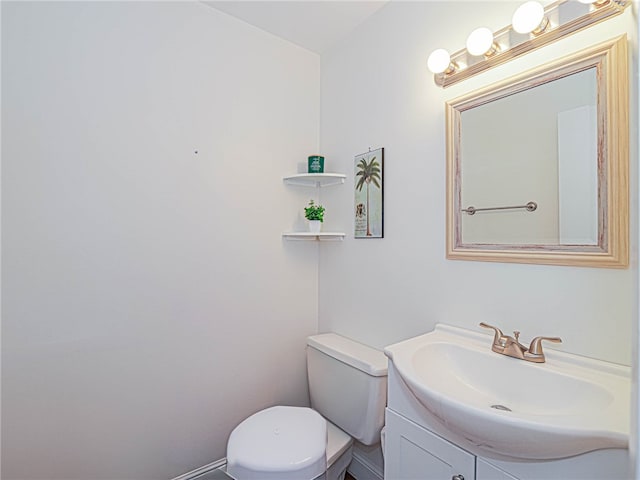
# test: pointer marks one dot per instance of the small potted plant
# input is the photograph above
(315, 214)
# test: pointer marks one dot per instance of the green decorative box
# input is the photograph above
(316, 164)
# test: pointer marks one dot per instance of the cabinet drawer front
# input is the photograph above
(414, 453)
(487, 471)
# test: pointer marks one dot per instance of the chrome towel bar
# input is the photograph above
(530, 207)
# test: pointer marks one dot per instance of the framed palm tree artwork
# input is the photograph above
(368, 209)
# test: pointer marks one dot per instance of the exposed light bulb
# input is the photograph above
(529, 18)
(480, 42)
(440, 62)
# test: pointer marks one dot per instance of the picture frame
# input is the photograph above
(368, 194)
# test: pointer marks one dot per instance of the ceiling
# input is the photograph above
(313, 24)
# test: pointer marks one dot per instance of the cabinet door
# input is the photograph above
(486, 471)
(414, 453)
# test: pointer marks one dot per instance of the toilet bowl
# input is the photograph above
(347, 386)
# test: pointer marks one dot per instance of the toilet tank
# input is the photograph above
(348, 384)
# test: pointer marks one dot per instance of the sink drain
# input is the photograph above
(501, 407)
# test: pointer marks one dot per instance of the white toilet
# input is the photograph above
(348, 390)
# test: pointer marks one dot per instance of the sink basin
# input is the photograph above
(509, 408)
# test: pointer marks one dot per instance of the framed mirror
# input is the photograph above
(537, 165)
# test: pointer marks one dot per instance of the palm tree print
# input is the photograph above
(369, 173)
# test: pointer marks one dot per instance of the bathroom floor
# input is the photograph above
(221, 475)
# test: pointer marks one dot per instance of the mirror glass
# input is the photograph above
(537, 165)
(550, 160)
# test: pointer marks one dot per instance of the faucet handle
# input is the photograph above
(536, 344)
(498, 335)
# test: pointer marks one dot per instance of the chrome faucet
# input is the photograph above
(511, 346)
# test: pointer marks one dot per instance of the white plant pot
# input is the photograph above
(315, 226)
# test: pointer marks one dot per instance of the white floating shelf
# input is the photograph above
(314, 235)
(315, 179)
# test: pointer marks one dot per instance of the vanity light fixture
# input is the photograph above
(530, 18)
(533, 27)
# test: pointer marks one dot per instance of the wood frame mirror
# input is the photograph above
(478, 167)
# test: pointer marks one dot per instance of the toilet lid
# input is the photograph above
(279, 443)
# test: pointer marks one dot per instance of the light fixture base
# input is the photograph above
(540, 29)
(469, 65)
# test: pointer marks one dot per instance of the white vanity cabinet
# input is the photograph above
(484, 470)
(413, 452)
(418, 448)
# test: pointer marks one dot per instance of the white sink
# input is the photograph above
(512, 408)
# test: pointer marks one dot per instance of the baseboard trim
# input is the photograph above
(362, 469)
(202, 470)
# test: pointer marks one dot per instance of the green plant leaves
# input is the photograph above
(314, 211)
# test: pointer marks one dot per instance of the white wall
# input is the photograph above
(149, 301)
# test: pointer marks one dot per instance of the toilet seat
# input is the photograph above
(279, 443)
